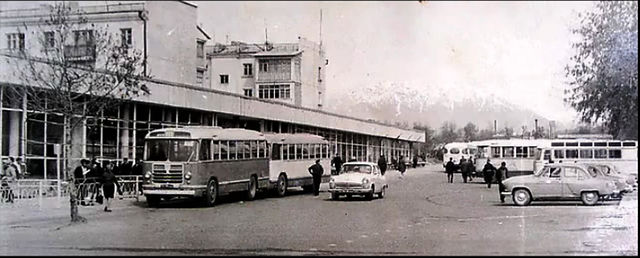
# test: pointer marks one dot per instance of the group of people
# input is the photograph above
(466, 167)
(11, 170)
(489, 172)
(103, 176)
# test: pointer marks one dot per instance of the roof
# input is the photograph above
(288, 138)
(509, 142)
(203, 32)
(272, 53)
(215, 132)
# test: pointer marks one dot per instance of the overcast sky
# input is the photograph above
(512, 49)
(517, 50)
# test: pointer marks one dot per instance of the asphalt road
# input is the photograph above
(420, 215)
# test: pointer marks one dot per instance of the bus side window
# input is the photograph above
(224, 150)
(318, 148)
(246, 148)
(600, 154)
(299, 151)
(216, 150)
(495, 152)
(275, 151)
(254, 149)
(292, 151)
(532, 151)
(205, 150)
(547, 155)
(233, 150)
(312, 150)
(558, 154)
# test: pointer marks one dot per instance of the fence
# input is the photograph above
(86, 189)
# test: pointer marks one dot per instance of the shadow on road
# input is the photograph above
(556, 203)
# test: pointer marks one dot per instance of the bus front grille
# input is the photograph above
(167, 174)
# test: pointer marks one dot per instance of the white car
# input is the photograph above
(358, 178)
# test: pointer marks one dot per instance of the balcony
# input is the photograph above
(84, 53)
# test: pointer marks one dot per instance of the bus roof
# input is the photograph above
(211, 132)
(289, 138)
(587, 143)
(509, 142)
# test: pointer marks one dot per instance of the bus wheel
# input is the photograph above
(281, 185)
(253, 187)
(212, 192)
(153, 201)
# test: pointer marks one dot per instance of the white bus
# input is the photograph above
(622, 154)
(518, 154)
(291, 157)
(457, 150)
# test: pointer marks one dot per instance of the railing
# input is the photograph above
(86, 189)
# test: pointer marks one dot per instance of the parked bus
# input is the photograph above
(204, 162)
(518, 154)
(622, 154)
(292, 155)
(457, 150)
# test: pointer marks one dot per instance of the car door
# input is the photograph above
(571, 182)
(549, 184)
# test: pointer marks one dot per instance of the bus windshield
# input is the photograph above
(171, 150)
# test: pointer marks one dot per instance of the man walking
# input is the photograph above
(464, 169)
(337, 163)
(382, 163)
(449, 168)
(316, 172)
(500, 175)
(488, 172)
(402, 167)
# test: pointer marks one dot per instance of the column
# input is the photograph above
(124, 131)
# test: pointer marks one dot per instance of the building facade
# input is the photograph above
(292, 73)
(177, 97)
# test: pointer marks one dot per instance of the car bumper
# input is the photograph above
(190, 191)
(505, 193)
(350, 190)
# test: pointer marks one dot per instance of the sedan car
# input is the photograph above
(605, 171)
(559, 182)
(358, 178)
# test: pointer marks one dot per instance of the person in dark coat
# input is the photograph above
(488, 172)
(125, 167)
(415, 161)
(464, 169)
(316, 172)
(401, 166)
(109, 184)
(382, 163)
(503, 173)
(450, 168)
(337, 162)
(136, 170)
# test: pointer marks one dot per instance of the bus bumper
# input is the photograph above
(164, 190)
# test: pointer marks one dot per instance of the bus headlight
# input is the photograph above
(147, 175)
(332, 183)
(187, 176)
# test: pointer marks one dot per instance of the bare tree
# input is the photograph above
(76, 70)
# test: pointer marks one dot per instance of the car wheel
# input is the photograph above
(253, 188)
(521, 197)
(335, 196)
(589, 198)
(382, 193)
(281, 185)
(212, 192)
(369, 196)
(153, 201)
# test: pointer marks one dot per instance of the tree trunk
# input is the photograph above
(73, 198)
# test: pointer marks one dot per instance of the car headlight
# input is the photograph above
(332, 183)
(147, 175)
(187, 175)
(365, 182)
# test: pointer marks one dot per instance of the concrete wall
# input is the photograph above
(312, 59)
(235, 69)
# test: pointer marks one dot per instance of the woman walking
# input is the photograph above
(109, 185)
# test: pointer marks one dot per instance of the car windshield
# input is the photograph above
(366, 169)
(171, 150)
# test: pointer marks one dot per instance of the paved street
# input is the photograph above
(421, 215)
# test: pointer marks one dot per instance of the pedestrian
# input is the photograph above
(109, 184)
(9, 175)
(464, 169)
(488, 172)
(503, 173)
(402, 167)
(316, 172)
(415, 161)
(450, 168)
(337, 163)
(382, 163)
(79, 175)
(125, 167)
(92, 183)
(136, 170)
(16, 165)
(472, 168)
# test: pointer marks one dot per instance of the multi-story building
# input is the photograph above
(174, 45)
(292, 73)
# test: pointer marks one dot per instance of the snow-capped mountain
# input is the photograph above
(398, 102)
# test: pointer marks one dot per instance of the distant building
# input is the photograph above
(292, 73)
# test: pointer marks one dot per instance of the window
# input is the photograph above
(532, 151)
(465, 151)
(555, 172)
(248, 69)
(545, 172)
(205, 150)
(600, 153)
(224, 79)
(600, 144)
(557, 144)
(629, 144)
(216, 150)
(254, 149)
(15, 41)
(586, 144)
(49, 39)
(558, 154)
(199, 76)
(248, 92)
(571, 172)
(572, 154)
(224, 150)
(615, 154)
(281, 91)
(263, 66)
(615, 144)
(507, 152)
(454, 151)
(298, 151)
(292, 151)
(495, 152)
(83, 37)
(586, 154)
(233, 150)
(275, 151)
(125, 35)
(200, 49)
(572, 144)
(522, 152)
